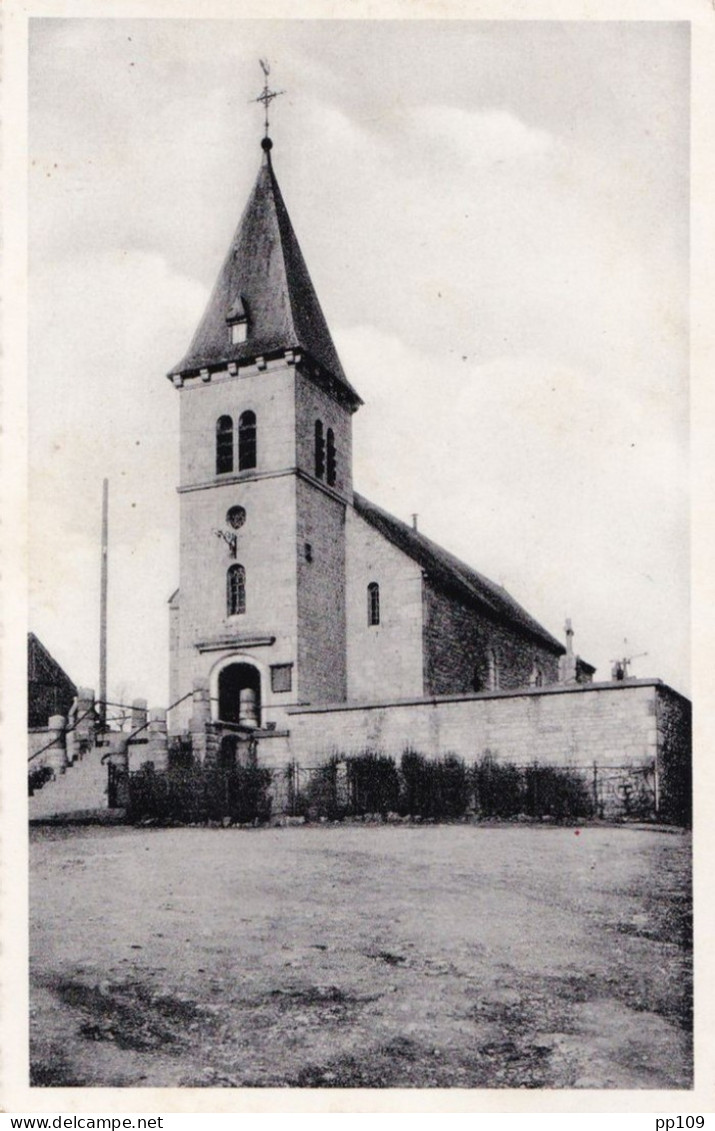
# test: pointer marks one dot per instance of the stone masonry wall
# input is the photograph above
(311, 404)
(266, 542)
(383, 659)
(674, 723)
(611, 724)
(457, 643)
(267, 550)
(321, 671)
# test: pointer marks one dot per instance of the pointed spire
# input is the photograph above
(263, 302)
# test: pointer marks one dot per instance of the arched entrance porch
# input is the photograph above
(239, 694)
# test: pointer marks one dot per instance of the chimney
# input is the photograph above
(414, 521)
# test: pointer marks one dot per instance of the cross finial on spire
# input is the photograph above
(266, 97)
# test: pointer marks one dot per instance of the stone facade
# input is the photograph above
(388, 654)
(291, 545)
(321, 655)
(674, 737)
(311, 404)
(464, 651)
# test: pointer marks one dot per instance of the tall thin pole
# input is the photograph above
(103, 610)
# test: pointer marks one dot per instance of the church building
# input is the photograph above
(295, 590)
(309, 624)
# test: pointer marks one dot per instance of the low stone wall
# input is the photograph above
(611, 724)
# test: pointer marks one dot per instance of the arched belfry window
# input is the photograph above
(247, 446)
(235, 590)
(224, 445)
(373, 603)
(331, 458)
(319, 450)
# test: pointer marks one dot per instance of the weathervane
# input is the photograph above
(266, 96)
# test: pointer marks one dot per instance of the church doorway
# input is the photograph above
(236, 750)
(227, 755)
(239, 695)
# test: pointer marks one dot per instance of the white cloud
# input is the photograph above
(574, 501)
(475, 138)
(535, 228)
(101, 406)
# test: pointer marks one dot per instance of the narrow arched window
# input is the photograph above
(331, 458)
(493, 662)
(319, 450)
(373, 603)
(247, 441)
(224, 445)
(235, 590)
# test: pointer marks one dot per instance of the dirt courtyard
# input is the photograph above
(353, 956)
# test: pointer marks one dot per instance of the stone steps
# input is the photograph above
(81, 787)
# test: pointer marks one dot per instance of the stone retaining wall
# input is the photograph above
(610, 724)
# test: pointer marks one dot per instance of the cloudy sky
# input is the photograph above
(495, 217)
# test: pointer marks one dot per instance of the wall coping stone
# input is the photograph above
(518, 693)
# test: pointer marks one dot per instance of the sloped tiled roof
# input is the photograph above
(264, 276)
(450, 573)
(43, 667)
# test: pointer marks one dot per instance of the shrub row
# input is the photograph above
(196, 793)
(368, 783)
(440, 789)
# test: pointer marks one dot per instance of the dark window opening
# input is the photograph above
(281, 677)
(308, 550)
(319, 450)
(235, 517)
(373, 603)
(239, 695)
(237, 319)
(235, 590)
(331, 458)
(224, 445)
(247, 446)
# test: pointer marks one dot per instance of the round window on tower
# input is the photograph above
(235, 517)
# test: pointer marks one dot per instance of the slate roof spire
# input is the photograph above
(265, 284)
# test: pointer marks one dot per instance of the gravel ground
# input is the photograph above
(356, 956)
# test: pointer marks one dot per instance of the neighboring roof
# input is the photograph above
(50, 690)
(264, 277)
(449, 573)
(42, 668)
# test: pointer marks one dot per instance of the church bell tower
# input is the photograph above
(266, 476)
